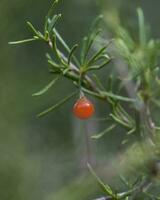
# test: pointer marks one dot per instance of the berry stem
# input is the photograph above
(81, 94)
(88, 144)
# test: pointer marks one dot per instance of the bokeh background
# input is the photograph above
(44, 158)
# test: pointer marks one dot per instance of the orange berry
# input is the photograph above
(83, 108)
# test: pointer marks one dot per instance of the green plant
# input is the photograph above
(138, 79)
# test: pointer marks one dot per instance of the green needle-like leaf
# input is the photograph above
(97, 67)
(93, 59)
(66, 70)
(142, 30)
(50, 12)
(57, 52)
(53, 22)
(23, 41)
(98, 81)
(56, 105)
(118, 97)
(65, 45)
(101, 134)
(71, 53)
(30, 25)
(83, 49)
(104, 187)
(46, 88)
(89, 44)
(96, 22)
(89, 40)
(124, 181)
(119, 120)
(131, 131)
(104, 94)
(54, 65)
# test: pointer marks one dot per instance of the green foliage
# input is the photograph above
(46, 88)
(141, 59)
(56, 105)
(138, 81)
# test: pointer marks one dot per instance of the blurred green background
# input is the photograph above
(43, 158)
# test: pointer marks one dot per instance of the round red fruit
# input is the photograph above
(83, 108)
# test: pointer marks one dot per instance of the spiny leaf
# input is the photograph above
(126, 194)
(52, 22)
(23, 41)
(104, 57)
(131, 131)
(104, 187)
(84, 46)
(71, 53)
(65, 45)
(101, 134)
(124, 181)
(119, 120)
(96, 22)
(66, 70)
(126, 37)
(98, 81)
(57, 52)
(95, 94)
(110, 82)
(117, 97)
(142, 31)
(37, 33)
(54, 65)
(94, 57)
(46, 88)
(91, 39)
(56, 105)
(30, 25)
(89, 42)
(97, 67)
(61, 40)
(105, 94)
(125, 141)
(55, 2)
(119, 111)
